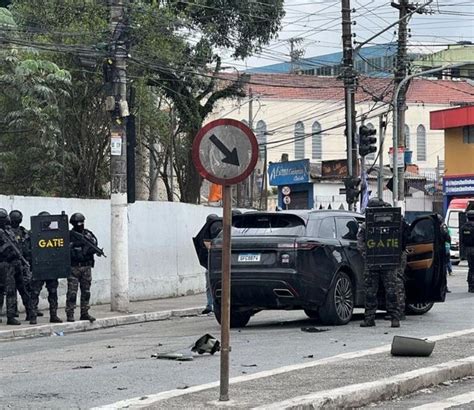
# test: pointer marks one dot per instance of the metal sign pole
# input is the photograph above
(225, 294)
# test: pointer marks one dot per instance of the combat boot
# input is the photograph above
(395, 323)
(33, 321)
(13, 321)
(88, 317)
(39, 314)
(368, 323)
(70, 317)
(55, 319)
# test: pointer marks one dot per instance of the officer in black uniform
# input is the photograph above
(82, 262)
(22, 270)
(7, 270)
(372, 277)
(52, 287)
(467, 239)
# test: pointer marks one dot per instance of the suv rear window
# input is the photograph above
(268, 224)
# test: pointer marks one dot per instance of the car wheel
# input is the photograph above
(312, 314)
(339, 304)
(237, 318)
(418, 308)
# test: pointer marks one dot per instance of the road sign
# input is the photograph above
(286, 190)
(400, 157)
(286, 200)
(225, 151)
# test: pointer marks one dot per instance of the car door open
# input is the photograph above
(425, 273)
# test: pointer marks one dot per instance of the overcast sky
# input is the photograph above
(318, 23)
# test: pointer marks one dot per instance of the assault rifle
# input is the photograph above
(80, 237)
(6, 239)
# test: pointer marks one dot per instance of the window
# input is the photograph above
(268, 225)
(371, 156)
(327, 229)
(299, 140)
(468, 134)
(453, 221)
(317, 140)
(407, 137)
(261, 134)
(421, 143)
(347, 228)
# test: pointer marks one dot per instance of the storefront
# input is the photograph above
(293, 179)
(457, 186)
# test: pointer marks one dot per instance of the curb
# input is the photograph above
(362, 394)
(102, 323)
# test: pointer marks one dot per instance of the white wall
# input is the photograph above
(162, 259)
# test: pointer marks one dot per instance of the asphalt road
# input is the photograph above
(96, 368)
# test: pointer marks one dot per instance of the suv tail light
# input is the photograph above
(307, 246)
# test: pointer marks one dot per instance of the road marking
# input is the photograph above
(361, 394)
(447, 403)
(152, 398)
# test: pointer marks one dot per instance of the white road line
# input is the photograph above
(447, 403)
(152, 398)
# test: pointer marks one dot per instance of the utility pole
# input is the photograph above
(382, 128)
(250, 182)
(118, 159)
(349, 87)
(295, 54)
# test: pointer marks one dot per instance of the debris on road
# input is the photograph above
(310, 356)
(121, 388)
(174, 356)
(206, 344)
(248, 365)
(110, 347)
(312, 329)
(411, 346)
(82, 367)
(57, 334)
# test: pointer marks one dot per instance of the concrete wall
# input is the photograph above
(162, 259)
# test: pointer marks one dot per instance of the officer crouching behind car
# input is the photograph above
(467, 239)
(372, 276)
(83, 248)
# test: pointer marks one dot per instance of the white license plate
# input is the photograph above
(249, 257)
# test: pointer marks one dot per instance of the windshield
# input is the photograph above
(453, 220)
(268, 225)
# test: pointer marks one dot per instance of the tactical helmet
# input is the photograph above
(3, 213)
(209, 218)
(77, 219)
(44, 213)
(375, 203)
(16, 217)
(470, 215)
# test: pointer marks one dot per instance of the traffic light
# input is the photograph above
(352, 189)
(366, 141)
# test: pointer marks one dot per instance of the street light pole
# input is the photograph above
(396, 180)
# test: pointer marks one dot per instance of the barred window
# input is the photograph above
(421, 143)
(299, 140)
(317, 141)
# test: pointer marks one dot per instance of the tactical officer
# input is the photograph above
(52, 287)
(467, 239)
(372, 277)
(82, 242)
(7, 270)
(22, 270)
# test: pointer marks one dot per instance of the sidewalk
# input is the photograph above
(344, 381)
(142, 311)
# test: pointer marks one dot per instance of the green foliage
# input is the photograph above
(173, 46)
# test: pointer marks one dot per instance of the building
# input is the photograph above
(458, 126)
(303, 116)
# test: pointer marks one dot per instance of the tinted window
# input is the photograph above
(347, 228)
(422, 231)
(268, 224)
(327, 229)
(453, 221)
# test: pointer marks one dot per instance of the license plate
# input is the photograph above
(249, 257)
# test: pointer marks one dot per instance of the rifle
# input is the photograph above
(17, 252)
(85, 241)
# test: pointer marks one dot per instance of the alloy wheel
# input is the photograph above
(343, 298)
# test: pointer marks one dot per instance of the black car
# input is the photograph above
(309, 260)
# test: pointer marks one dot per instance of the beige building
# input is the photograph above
(303, 116)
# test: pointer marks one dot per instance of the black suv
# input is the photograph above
(309, 260)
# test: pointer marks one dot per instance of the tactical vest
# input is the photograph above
(467, 234)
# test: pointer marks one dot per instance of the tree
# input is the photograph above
(174, 47)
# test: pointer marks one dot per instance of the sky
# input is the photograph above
(318, 23)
